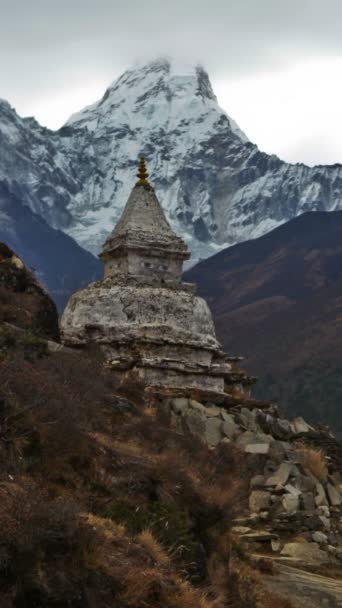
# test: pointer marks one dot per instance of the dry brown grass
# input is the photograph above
(153, 548)
(152, 587)
(105, 503)
(314, 460)
(273, 600)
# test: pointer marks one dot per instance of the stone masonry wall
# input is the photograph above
(295, 506)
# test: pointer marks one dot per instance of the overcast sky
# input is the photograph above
(275, 65)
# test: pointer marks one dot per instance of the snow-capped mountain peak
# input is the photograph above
(164, 112)
(155, 91)
(216, 187)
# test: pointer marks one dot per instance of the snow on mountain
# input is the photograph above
(217, 188)
(163, 114)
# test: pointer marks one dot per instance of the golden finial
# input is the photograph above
(142, 174)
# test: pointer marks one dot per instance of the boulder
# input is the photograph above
(248, 419)
(258, 481)
(309, 553)
(194, 423)
(321, 498)
(325, 521)
(275, 544)
(196, 405)
(300, 426)
(259, 501)
(248, 437)
(290, 489)
(229, 427)
(179, 405)
(307, 501)
(281, 428)
(320, 538)
(333, 495)
(212, 411)
(290, 503)
(213, 430)
(307, 483)
(257, 448)
(281, 475)
(323, 510)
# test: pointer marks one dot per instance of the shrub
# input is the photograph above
(314, 460)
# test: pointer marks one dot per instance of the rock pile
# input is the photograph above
(151, 326)
(295, 499)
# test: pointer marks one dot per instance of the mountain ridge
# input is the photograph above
(216, 188)
(278, 300)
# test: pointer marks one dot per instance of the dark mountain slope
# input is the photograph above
(59, 263)
(278, 300)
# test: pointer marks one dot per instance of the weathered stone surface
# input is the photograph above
(179, 405)
(194, 423)
(229, 427)
(249, 437)
(262, 536)
(307, 483)
(320, 538)
(290, 503)
(334, 496)
(281, 476)
(321, 498)
(259, 500)
(241, 530)
(308, 502)
(290, 489)
(309, 553)
(212, 411)
(281, 428)
(212, 432)
(196, 405)
(258, 481)
(325, 521)
(257, 448)
(300, 426)
(323, 510)
(248, 419)
(228, 417)
(275, 544)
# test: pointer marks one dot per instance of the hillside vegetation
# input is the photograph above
(102, 503)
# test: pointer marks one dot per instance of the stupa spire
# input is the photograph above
(142, 174)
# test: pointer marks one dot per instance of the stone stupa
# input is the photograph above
(142, 314)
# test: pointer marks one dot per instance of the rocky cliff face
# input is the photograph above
(216, 186)
(24, 305)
